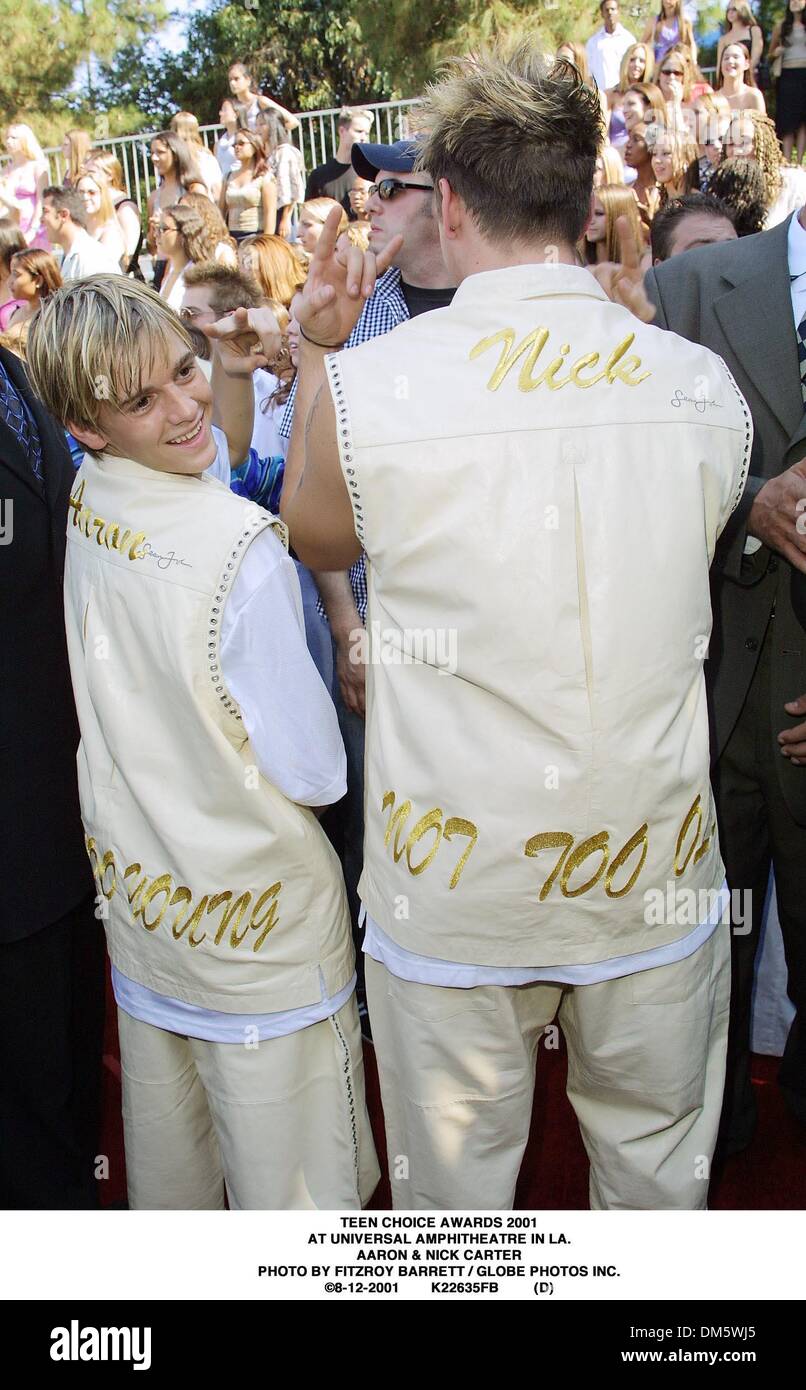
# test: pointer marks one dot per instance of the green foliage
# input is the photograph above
(307, 54)
(47, 42)
(77, 62)
(38, 53)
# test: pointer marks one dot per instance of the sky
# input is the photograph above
(172, 36)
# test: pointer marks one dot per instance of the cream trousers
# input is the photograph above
(646, 1069)
(282, 1125)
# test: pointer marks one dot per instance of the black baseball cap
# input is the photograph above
(399, 158)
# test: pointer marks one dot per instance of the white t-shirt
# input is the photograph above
(430, 970)
(88, 257)
(605, 52)
(266, 441)
(294, 732)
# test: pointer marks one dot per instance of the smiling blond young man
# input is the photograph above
(206, 739)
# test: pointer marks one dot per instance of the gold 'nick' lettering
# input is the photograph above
(618, 367)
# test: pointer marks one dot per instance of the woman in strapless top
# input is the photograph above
(249, 192)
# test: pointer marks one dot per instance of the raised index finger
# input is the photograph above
(329, 235)
(628, 244)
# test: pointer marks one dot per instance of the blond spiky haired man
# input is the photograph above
(206, 739)
(539, 481)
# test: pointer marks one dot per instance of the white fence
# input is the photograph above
(316, 136)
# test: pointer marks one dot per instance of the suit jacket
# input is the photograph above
(44, 868)
(735, 299)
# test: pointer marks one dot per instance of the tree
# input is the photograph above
(104, 26)
(45, 41)
(37, 55)
(307, 54)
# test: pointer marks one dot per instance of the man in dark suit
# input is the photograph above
(746, 300)
(51, 946)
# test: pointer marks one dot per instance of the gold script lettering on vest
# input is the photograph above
(570, 860)
(263, 916)
(108, 533)
(431, 821)
(617, 368)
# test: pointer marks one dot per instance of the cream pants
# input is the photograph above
(646, 1069)
(283, 1125)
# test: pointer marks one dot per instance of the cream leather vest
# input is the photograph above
(539, 481)
(216, 889)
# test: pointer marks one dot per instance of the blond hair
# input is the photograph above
(348, 114)
(106, 208)
(277, 267)
(612, 164)
(579, 58)
(79, 144)
(649, 67)
(319, 208)
(110, 166)
(357, 233)
(185, 125)
(94, 342)
(31, 147)
(516, 138)
(617, 201)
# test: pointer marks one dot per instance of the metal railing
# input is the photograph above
(316, 135)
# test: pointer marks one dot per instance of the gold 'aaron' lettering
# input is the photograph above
(108, 533)
(617, 368)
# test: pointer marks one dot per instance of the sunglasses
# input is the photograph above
(387, 188)
(671, 72)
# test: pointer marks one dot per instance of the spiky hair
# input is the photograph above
(516, 136)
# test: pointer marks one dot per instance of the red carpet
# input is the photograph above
(770, 1175)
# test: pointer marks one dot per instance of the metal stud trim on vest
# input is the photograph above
(258, 522)
(748, 435)
(347, 1074)
(343, 434)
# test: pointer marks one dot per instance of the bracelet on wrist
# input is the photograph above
(329, 347)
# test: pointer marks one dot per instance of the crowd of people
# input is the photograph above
(258, 766)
